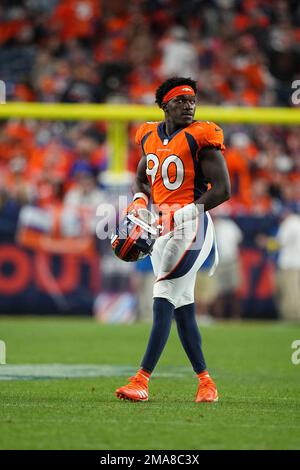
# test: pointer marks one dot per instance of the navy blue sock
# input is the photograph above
(162, 321)
(189, 335)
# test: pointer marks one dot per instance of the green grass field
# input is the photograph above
(259, 388)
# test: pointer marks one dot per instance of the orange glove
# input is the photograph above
(140, 201)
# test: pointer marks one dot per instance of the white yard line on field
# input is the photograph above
(62, 371)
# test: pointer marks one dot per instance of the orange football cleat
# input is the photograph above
(207, 390)
(136, 390)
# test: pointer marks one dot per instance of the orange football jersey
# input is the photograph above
(173, 165)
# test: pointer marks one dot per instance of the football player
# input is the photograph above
(184, 172)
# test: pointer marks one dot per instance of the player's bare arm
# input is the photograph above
(141, 184)
(215, 172)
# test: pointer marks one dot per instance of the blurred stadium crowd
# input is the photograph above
(241, 52)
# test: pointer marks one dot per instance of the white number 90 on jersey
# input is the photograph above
(171, 170)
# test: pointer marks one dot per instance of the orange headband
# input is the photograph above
(178, 90)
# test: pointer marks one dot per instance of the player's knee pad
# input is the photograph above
(165, 289)
(176, 291)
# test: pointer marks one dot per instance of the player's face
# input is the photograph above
(181, 110)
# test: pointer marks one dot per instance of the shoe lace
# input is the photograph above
(207, 383)
(137, 381)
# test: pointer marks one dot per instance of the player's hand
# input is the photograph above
(134, 206)
(185, 214)
(140, 201)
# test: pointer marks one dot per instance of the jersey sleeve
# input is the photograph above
(140, 134)
(212, 136)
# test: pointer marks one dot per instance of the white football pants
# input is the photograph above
(177, 257)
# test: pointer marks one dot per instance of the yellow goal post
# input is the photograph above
(118, 115)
